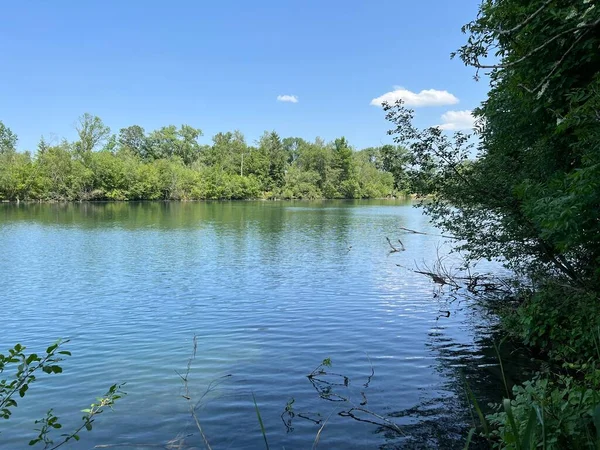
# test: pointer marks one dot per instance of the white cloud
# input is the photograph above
(457, 120)
(287, 98)
(427, 97)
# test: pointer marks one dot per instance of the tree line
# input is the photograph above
(171, 164)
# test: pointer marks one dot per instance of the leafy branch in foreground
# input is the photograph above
(51, 422)
(28, 366)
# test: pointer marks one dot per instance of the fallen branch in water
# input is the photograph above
(370, 377)
(460, 278)
(326, 383)
(441, 279)
(386, 423)
(428, 234)
(394, 249)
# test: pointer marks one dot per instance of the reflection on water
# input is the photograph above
(270, 289)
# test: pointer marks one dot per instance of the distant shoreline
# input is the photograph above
(257, 199)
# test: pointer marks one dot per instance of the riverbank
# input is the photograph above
(559, 405)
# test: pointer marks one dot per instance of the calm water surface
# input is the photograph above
(270, 290)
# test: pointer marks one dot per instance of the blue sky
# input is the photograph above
(221, 65)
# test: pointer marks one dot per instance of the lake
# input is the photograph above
(270, 290)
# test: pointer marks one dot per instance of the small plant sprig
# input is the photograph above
(51, 422)
(27, 370)
(28, 366)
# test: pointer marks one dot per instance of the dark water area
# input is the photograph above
(270, 290)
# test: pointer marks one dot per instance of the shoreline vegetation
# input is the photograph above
(400, 196)
(531, 199)
(170, 164)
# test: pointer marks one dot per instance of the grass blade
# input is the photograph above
(480, 414)
(511, 420)
(469, 437)
(262, 426)
(596, 418)
(529, 442)
(318, 436)
(497, 348)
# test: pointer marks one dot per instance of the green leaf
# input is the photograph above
(469, 438)
(31, 358)
(23, 390)
(596, 418)
(529, 441)
(475, 403)
(511, 418)
(51, 349)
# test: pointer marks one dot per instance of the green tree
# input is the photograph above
(272, 150)
(169, 163)
(187, 147)
(342, 158)
(530, 197)
(228, 152)
(133, 139)
(92, 133)
(293, 147)
(393, 159)
(316, 157)
(8, 140)
(161, 143)
(43, 146)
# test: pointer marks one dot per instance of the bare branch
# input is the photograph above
(427, 234)
(188, 397)
(394, 249)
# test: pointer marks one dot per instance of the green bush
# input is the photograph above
(562, 414)
(559, 321)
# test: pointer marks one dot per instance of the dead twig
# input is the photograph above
(325, 389)
(394, 249)
(384, 421)
(370, 377)
(428, 234)
(188, 396)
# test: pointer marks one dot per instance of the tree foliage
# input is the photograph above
(171, 164)
(526, 191)
(531, 197)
